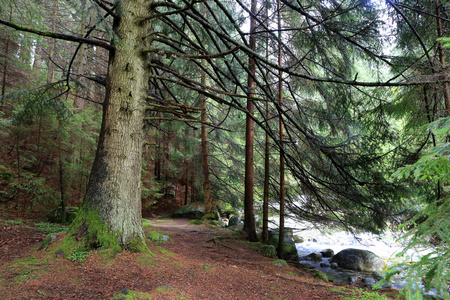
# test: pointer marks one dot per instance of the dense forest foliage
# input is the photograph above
(335, 112)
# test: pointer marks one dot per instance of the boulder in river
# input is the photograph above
(358, 260)
(313, 257)
(327, 253)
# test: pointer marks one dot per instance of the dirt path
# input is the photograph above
(199, 262)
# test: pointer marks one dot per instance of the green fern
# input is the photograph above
(430, 227)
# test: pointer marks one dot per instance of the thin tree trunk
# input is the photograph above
(282, 179)
(51, 51)
(265, 226)
(204, 134)
(5, 66)
(5, 72)
(442, 60)
(81, 88)
(186, 191)
(249, 218)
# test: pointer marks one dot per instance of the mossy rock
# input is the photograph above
(218, 223)
(280, 262)
(211, 216)
(47, 241)
(298, 239)
(289, 248)
(267, 250)
(313, 257)
(158, 237)
(320, 275)
(234, 220)
(195, 210)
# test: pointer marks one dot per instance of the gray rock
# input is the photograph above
(378, 275)
(358, 260)
(334, 265)
(352, 279)
(327, 253)
(369, 282)
(324, 265)
(307, 265)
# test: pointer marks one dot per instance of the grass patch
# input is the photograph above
(78, 255)
(358, 294)
(12, 222)
(163, 251)
(170, 291)
(48, 228)
(127, 294)
(146, 260)
(207, 268)
(146, 223)
(27, 269)
(292, 273)
(195, 222)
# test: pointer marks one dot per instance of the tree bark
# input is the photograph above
(280, 247)
(111, 210)
(51, 50)
(204, 134)
(5, 59)
(442, 60)
(249, 218)
(205, 164)
(265, 226)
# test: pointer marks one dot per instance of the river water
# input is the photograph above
(315, 240)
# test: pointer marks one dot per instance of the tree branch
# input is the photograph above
(106, 8)
(59, 36)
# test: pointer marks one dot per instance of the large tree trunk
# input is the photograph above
(249, 218)
(111, 210)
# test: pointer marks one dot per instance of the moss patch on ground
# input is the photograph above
(127, 294)
(359, 294)
(27, 269)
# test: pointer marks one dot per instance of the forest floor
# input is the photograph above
(199, 262)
